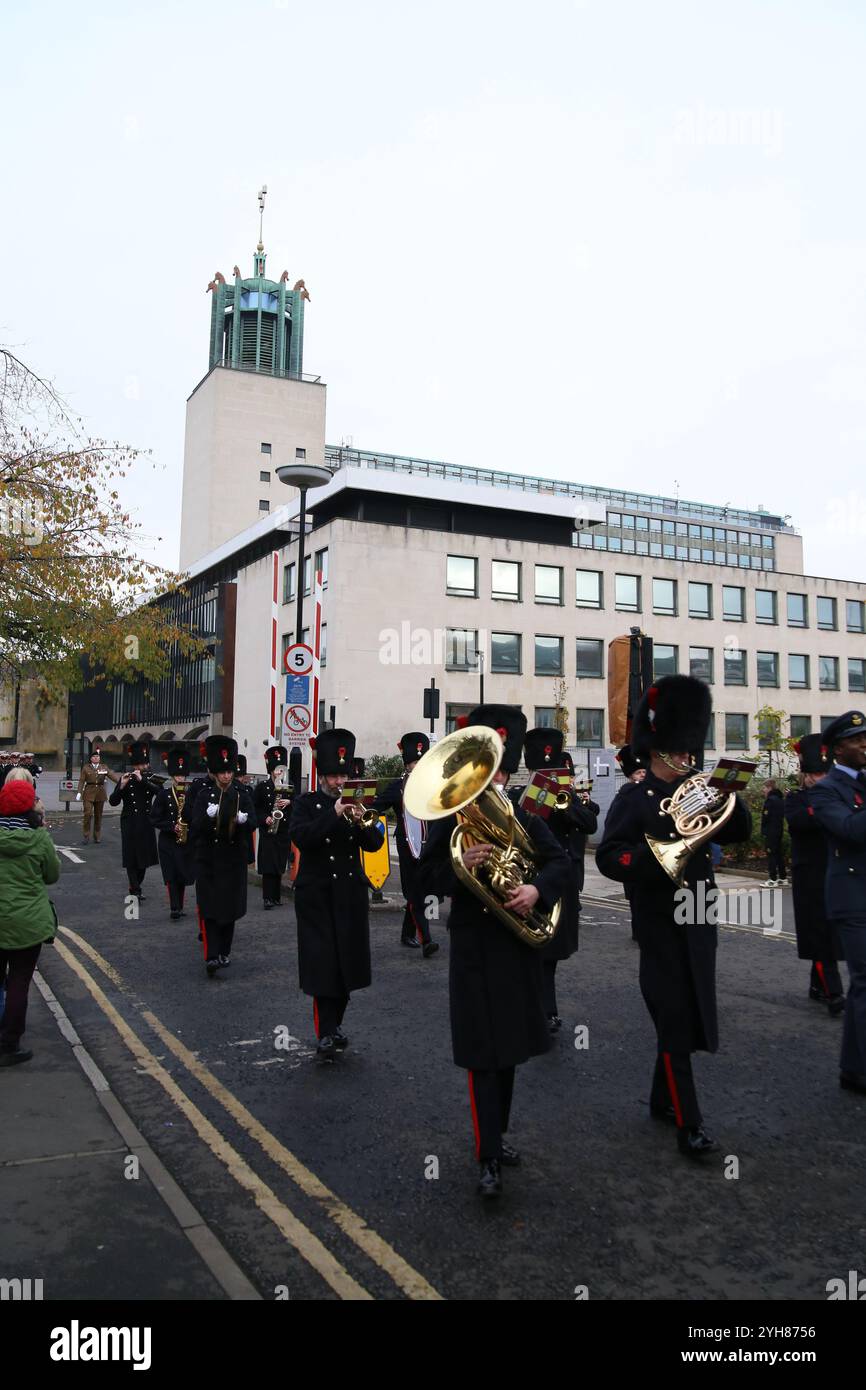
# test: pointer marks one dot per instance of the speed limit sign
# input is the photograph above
(298, 660)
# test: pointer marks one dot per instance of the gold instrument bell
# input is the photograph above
(699, 811)
(456, 778)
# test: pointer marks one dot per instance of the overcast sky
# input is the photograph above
(612, 241)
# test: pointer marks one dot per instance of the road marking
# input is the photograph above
(53, 1158)
(293, 1230)
(246, 1042)
(413, 1284)
(70, 854)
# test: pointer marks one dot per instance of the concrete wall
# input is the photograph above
(228, 417)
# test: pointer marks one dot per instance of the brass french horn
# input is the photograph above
(456, 778)
(698, 812)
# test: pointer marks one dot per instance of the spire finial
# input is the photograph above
(262, 194)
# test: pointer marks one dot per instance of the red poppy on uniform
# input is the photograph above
(625, 859)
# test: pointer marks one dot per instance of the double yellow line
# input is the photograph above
(408, 1280)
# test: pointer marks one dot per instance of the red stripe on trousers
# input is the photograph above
(819, 969)
(474, 1117)
(672, 1087)
(316, 1016)
(418, 931)
(203, 930)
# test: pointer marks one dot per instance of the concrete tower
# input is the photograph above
(254, 411)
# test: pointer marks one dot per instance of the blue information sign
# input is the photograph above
(297, 690)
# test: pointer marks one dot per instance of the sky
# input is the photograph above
(610, 241)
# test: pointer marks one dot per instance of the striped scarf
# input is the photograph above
(15, 823)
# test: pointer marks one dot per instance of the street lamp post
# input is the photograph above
(303, 476)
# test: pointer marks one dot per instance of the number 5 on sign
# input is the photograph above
(298, 660)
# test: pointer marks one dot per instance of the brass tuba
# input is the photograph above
(455, 778)
(699, 811)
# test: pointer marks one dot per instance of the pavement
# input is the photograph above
(260, 1173)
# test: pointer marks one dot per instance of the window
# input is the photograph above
(545, 716)
(627, 522)
(266, 448)
(700, 600)
(801, 725)
(765, 606)
(307, 570)
(854, 615)
(797, 613)
(826, 720)
(736, 731)
(264, 506)
(461, 649)
(305, 637)
(300, 453)
(548, 584)
(733, 604)
(768, 668)
(461, 576)
(665, 661)
(589, 727)
(798, 671)
(288, 583)
(701, 663)
(857, 674)
(453, 713)
(769, 730)
(322, 564)
(588, 588)
(665, 597)
(735, 667)
(641, 523)
(264, 477)
(505, 580)
(826, 614)
(287, 641)
(548, 656)
(828, 672)
(710, 738)
(590, 656)
(628, 593)
(505, 653)
(323, 645)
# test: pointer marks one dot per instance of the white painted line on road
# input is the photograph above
(270, 1062)
(70, 854)
(246, 1042)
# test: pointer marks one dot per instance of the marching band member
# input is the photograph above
(269, 798)
(135, 792)
(415, 930)
(497, 1018)
(543, 749)
(817, 937)
(221, 822)
(634, 770)
(331, 904)
(166, 815)
(677, 959)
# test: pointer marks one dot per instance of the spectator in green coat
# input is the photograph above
(28, 861)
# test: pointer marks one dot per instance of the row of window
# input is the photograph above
(669, 550)
(506, 582)
(506, 658)
(290, 572)
(589, 727)
(689, 530)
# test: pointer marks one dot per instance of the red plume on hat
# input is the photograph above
(503, 733)
(462, 721)
(652, 696)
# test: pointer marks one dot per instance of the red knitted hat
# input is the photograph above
(17, 798)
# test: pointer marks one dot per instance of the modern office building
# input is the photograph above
(464, 575)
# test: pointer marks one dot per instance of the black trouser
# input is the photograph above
(825, 977)
(271, 888)
(136, 880)
(176, 893)
(415, 925)
(21, 964)
(490, 1097)
(548, 987)
(217, 937)
(673, 1084)
(328, 1011)
(775, 859)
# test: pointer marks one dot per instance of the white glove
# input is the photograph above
(212, 809)
(78, 796)
(242, 818)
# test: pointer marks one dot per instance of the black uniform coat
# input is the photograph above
(816, 938)
(175, 860)
(273, 850)
(137, 835)
(773, 817)
(391, 799)
(570, 829)
(839, 801)
(677, 960)
(497, 1017)
(221, 865)
(331, 904)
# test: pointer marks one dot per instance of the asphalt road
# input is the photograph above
(322, 1181)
